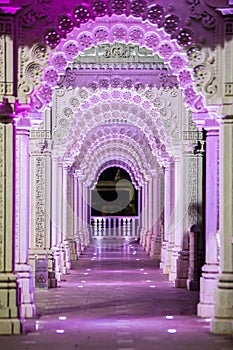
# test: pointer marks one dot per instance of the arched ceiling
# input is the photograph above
(118, 151)
(146, 115)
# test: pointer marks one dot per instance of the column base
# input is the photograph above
(9, 305)
(208, 284)
(167, 261)
(222, 327)
(163, 252)
(10, 326)
(182, 269)
(174, 258)
(205, 310)
(222, 322)
(193, 285)
(25, 280)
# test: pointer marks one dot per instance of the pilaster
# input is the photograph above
(222, 322)
(169, 194)
(178, 217)
(208, 281)
(23, 269)
(9, 288)
(40, 215)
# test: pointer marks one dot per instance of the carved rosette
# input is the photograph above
(203, 62)
(40, 202)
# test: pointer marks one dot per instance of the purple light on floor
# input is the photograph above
(148, 281)
(171, 331)
(141, 269)
(80, 286)
(60, 331)
(86, 273)
(169, 317)
(145, 273)
(83, 281)
(152, 286)
(62, 318)
(88, 269)
(137, 259)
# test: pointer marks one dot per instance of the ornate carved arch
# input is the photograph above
(151, 37)
(147, 110)
(114, 150)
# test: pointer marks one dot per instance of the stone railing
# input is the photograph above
(115, 226)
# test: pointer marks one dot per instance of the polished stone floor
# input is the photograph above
(115, 299)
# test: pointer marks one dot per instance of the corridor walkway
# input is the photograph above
(114, 299)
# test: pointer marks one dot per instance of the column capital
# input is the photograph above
(211, 125)
(23, 123)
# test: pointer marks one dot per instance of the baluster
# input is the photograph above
(109, 226)
(117, 226)
(114, 227)
(129, 227)
(124, 227)
(133, 227)
(104, 227)
(101, 226)
(99, 232)
(95, 227)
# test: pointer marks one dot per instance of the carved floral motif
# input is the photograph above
(40, 202)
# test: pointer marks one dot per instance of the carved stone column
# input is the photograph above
(54, 218)
(157, 228)
(145, 215)
(9, 288)
(65, 238)
(70, 215)
(76, 223)
(222, 322)
(149, 215)
(168, 242)
(40, 228)
(23, 269)
(178, 217)
(210, 270)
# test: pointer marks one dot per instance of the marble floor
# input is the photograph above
(115, 299)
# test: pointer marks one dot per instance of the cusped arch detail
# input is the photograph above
(152, 37)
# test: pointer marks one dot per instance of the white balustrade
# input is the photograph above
(115, 226)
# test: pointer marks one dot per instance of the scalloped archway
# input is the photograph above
(120, 28)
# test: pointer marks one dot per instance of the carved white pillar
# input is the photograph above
(76, 223)
(210, 270)
(223, 311)
(142, 214)
(70, 215)
(65, 238)
(145, 214)
(178, 217)
(40, 215)
(23, 269)
(149, 215)
(9, 289)
(169, 193)
(158, 204)
(59, 202)
(54, 219)
(81, 215)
